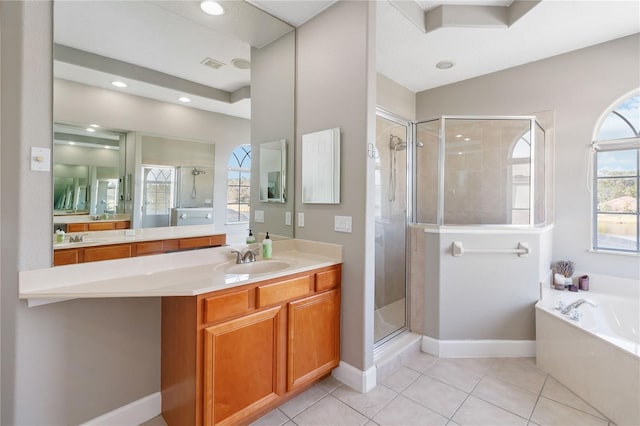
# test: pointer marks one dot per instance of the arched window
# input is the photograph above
(239, 184)
(617, 178)
(520, 162)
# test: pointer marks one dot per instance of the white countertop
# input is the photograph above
(101, 238)
(175, 274)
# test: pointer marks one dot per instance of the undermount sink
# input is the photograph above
(258, 267)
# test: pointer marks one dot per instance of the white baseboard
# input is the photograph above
(132, 414)
(478, 348)
(361, 381)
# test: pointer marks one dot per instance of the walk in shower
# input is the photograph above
(480, 181)
(480, 171)
(391, 201)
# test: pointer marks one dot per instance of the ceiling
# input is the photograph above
(172, 38)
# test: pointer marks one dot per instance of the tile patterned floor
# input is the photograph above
(427, 390)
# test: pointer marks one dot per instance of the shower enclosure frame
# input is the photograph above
(409, 199)
(441, 169)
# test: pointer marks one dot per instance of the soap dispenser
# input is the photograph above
(266, 247)
(250, 238)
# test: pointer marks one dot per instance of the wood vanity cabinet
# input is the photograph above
(98, 226)
(143, 248)
(229, 357)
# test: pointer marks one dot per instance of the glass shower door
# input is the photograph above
(390, 226)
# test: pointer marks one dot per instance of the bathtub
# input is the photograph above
(598, 357)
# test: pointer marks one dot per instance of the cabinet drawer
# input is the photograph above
(194, 242)
(271, 294)
(327, 280)
(66, 257)
(150, 247)
(76, 227)
(101, 226)
(119, 251)
(218, 240)
(217, 308)
(125, 224)
(171, 245)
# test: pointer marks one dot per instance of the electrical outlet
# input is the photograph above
(287, 218)
(342, 223)
(258, 216)
(300, 220)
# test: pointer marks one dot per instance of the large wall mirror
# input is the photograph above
(151, 98)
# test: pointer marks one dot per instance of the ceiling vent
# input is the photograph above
(212, 63)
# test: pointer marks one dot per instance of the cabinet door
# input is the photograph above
(102, 226)
(66, 257)
(313, 338)
(116, 251)
(241, 366)
(77, 227)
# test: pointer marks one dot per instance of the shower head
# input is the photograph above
(197, 172)
(398, 145)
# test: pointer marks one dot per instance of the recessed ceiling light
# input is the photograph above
(121, 84)
(90, 129)
(107, 147)
(94, 125)
(184, 99)
(467, 139)
(211, 8)
(458, 136)
(72, 143)
(444, 65)
(241, 64)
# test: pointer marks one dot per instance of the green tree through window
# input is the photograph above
(616, 179)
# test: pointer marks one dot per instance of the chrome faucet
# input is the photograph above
(246, 255)
(77, 238)
(576, 304)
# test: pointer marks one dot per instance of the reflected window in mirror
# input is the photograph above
(239, 185)
(158, 191)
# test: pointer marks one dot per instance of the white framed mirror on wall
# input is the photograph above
(321, 167)
(273, 171)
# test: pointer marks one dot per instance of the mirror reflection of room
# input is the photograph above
(87, 171)
(181, 110)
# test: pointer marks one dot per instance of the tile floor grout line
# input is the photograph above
(538, 398)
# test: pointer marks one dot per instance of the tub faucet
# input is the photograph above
(576, 304)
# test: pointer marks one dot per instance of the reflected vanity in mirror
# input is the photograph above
(273, 171)
(161, 73)
(321, 167)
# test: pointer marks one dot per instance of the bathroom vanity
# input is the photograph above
(230, 356)
(237, 339)
(95, 251)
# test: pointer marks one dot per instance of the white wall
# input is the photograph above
(129, 113)
(395, 98)
(579, 87)
(336, 88)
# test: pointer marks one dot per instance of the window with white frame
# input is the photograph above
(239, 184)
(617, 179)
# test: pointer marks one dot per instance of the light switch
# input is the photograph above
(300, 220)
(258, 216)
(342, 223)
(40, 159)
(287, 218)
